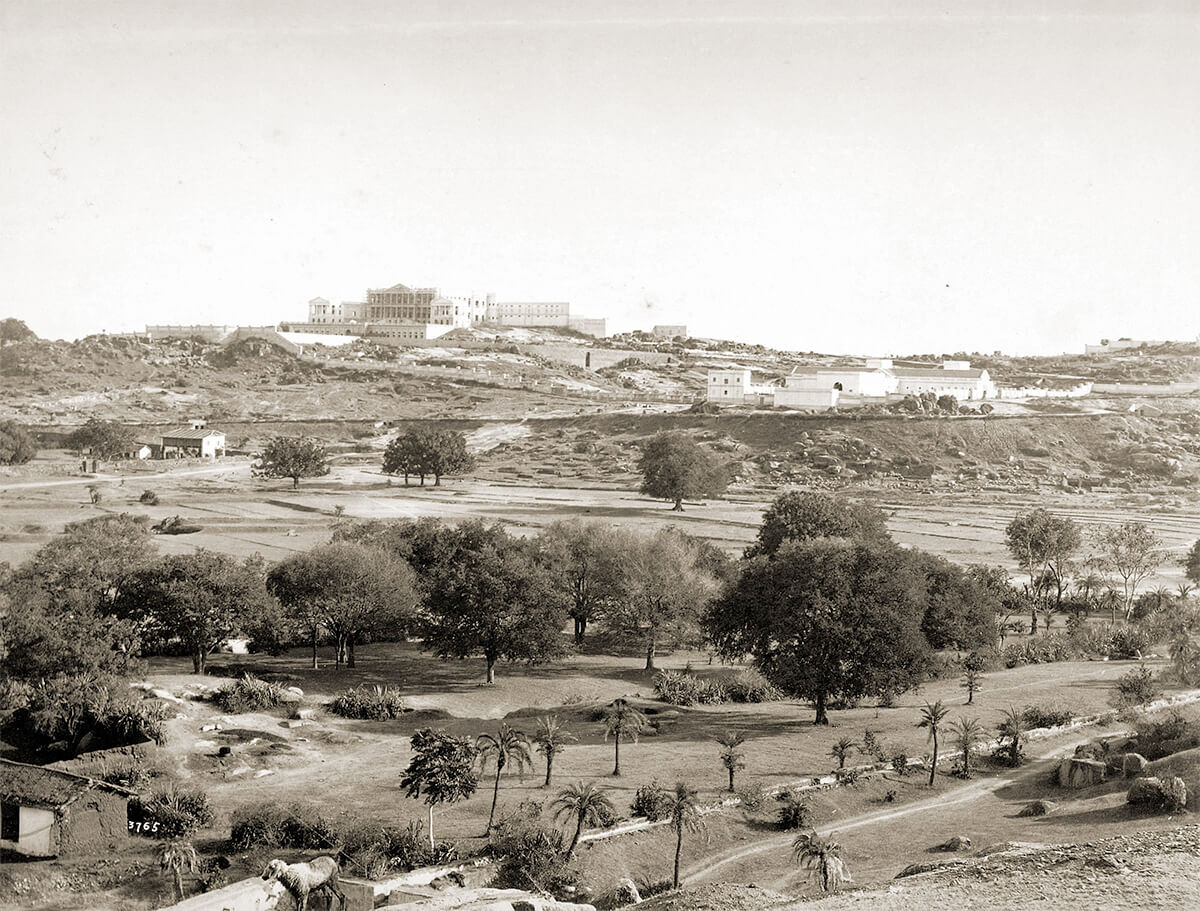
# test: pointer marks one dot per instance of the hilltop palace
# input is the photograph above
(417, 314)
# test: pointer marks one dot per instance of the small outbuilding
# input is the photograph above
(195, 440)
(50, 813)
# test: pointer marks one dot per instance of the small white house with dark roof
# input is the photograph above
(50, 813)
(192, 441)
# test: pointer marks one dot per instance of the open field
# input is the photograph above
(241, 516)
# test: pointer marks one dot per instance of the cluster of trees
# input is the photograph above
(427, 451)
(830, 607)
(1064, 579)
(103, 439)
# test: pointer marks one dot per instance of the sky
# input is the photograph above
(858, 176)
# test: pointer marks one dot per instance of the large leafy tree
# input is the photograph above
(960, 612)
(199, 599)
(442, 770)
(103, 439)
(827, 618)
(88, 563)
(675, 467)
(666, 589)
(292, 457)
(17, 445)
(354, 591)
(424, 451)
(1044, 546)
(585, 561)
(801, 515)
(1191, 563)
(488, 595)
(1131, 552)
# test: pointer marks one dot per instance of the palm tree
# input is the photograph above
(551, 739)
(731, 754)
(508, 747)
(176, 856)
(931, 717)
(622, 720)
(841, 751)
(968, 734)
(1012, 726)
(821, 857)
(682, 810)
(586, 804)
(1184, 591)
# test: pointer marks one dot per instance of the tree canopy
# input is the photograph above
(1191, 563)
(1044, 545)
(675, 467)
(585, 561)
(199, 599)
(1130, 552)
(665, 590)
(423, 451)
(17, 445)
(354, 591)
(103, 439)
(442, 770)
(827, 618)
(801, 515)
(292, 457)
(489, 595)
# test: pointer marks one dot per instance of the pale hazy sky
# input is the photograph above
(879, 177)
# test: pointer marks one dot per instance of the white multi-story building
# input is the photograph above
(733, 385)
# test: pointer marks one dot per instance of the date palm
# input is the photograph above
(968, 734)
(841, 750)
(507, 748)
(176, 856)
(584, 804)
(1012, 728)
(932, 717)
(822, 857)
(682, 811)
(731, 753)
(622, 721)
(551, 738)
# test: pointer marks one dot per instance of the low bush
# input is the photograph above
(247, 694)
(170, 813)
(530, 853)
(1172, 734)
(753, 797)
(899, 762)
(1039, 650)
(372, 703)
(149, 497)
(796, 813)
(848, 777)
(383, 849)
(1135, 688)
(1043, 716)
(270, 825)
(1126, 643)
(650, 800)
(125, 722)
(684, 688)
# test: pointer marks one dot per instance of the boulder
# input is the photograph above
(957, 843)
(1145, 791)
(304, 714)
(1080, 773)
(1133, 764)
(627, 893)
(1037, 808)
(1175, 794)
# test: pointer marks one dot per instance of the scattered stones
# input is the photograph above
(210, 727)
(304, 714)
(929, 866)
(295, 723)
(262, 773)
